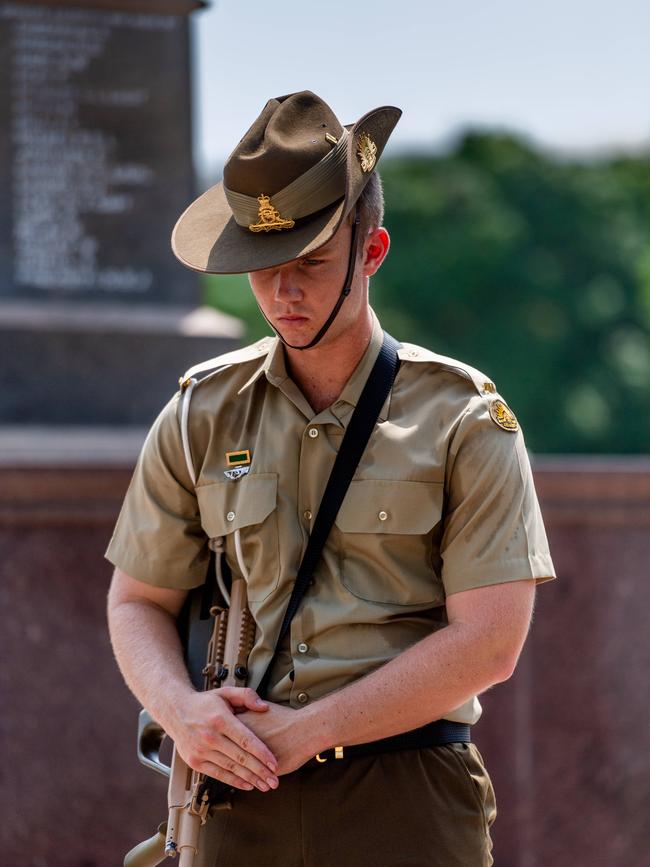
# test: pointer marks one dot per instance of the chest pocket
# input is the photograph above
(385, 538)
(250, 506)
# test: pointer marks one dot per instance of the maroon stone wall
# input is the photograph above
(73, 794)
(565, 739)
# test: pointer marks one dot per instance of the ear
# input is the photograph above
(375, 248)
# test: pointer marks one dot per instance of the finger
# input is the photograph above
(219, 773)
(243, 697)
(256, 771)
(226, 765)
(244, 738)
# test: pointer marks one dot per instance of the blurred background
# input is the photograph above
(518, 201)
(517, 185)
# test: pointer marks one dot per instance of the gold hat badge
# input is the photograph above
(367, 152)
(502, 415)
(269, 217)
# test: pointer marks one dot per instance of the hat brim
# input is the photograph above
(206, 237)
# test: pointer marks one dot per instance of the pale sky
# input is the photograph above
(571, 74)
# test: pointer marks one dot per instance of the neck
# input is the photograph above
(322, 372)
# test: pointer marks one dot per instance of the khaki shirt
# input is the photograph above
(442, 501)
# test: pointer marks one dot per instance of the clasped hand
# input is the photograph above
(230, 734)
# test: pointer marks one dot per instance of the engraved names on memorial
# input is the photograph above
(95, 154)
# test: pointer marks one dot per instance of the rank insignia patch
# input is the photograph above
(502, 415)
(236, 459)
(239, 463)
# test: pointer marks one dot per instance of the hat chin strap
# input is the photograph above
(347, 286)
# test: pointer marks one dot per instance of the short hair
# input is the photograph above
(370, 205)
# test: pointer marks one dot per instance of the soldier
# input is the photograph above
(424, 591)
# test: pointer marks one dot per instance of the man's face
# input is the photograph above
(297, 297)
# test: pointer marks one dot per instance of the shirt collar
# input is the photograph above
(270, 347)
(275, 370)
(352, 389)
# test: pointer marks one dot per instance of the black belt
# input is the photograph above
(433, 734)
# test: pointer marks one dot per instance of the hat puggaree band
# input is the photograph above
(318, 187)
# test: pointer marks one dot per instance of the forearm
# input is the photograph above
(203, 724)
(148, 651)
(420, 685)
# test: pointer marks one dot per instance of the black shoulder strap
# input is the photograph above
(360, 427)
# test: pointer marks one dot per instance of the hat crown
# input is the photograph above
(285, 141)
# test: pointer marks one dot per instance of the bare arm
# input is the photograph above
(480, 647)
(206, 731)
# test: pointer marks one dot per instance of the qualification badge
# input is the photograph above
(239, 464)
(502, 415)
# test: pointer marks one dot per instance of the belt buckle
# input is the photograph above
(338, 754)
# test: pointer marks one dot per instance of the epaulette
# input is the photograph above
(221, 362)
(410, 352)
(211, 367)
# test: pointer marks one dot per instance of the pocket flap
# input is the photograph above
(386, 506)
(229, 506)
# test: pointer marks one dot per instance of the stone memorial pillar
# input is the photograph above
(97, 318)
(97, 322)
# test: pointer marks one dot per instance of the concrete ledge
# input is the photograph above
(117, 318)
(65, 476)
(35, 446)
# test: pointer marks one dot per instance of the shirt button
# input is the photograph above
(307, 515)
(303, 647)
(230, 516)
(383, 515)
(303, 698)
(313, 433)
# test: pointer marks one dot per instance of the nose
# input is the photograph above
(287, 289)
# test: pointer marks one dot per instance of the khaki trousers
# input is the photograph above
(411, 808)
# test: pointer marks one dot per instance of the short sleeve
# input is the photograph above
(493, 529)
(158, 537)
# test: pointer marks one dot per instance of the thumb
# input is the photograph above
(243, 697)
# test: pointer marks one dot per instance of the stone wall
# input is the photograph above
(564, 738)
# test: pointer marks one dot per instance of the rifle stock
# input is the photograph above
(150, 852)
(188, 800)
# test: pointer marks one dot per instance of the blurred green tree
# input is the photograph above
(532, 268)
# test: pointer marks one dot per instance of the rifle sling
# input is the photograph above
(360, 427)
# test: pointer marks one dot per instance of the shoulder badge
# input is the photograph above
(503, 416)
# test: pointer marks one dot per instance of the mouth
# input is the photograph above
(292, 317)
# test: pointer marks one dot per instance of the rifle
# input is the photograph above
(190, 795)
